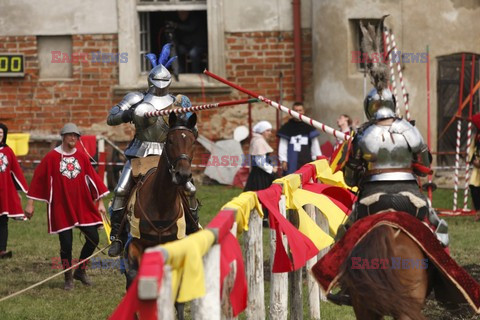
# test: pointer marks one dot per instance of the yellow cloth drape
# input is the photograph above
(290, 183)
(243, 204)
(185, 257)
(325, 175)
(293, 198)
(330, 210)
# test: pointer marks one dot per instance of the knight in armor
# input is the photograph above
(150, 135)
(388, 154)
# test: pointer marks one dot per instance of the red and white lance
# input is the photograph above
(307, 120)
(392, 70)
(165, 112)
(400, 75)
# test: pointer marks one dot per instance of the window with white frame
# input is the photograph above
(186, 30)
(139, 33)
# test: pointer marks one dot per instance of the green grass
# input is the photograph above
(33, 248)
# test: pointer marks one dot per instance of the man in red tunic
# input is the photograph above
(10, 204)
(67, 182)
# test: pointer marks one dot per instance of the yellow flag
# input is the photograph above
(186, 258)
(243, 204)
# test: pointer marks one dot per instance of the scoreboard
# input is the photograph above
(12, 65)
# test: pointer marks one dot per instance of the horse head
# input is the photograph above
(179, 147)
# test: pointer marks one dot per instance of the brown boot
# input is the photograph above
(68, 281)
(81, 275)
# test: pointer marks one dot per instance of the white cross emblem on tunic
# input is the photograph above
(298, 142)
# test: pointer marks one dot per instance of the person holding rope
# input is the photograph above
(10, 204)
(66, 180)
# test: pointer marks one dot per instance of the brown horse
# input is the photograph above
(160, 207)
(399, 293)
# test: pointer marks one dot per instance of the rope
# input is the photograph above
(51, 277)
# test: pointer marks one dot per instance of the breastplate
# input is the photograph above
(149, 133)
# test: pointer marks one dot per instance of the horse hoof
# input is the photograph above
(340, 299)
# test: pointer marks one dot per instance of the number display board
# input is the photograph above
(12, 65)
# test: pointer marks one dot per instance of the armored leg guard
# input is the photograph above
(117, 236)
(441, 226)
(194, 204)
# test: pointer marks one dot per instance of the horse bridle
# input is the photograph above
(182, 156)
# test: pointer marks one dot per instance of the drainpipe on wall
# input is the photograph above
(297, 45)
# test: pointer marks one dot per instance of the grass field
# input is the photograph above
(33, 251)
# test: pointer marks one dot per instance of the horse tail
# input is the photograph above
(378, 287)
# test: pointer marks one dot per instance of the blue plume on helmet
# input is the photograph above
(165, 54)
(152, 57)
(169, 62)
(163, 58)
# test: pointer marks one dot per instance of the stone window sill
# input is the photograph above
(188, 83)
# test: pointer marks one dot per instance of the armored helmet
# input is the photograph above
(160, 78)
(379, 105)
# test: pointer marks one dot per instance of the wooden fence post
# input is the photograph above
(253, 253)
(323, 224)
(165, 301)
(278, 281)
(312, 285)
(295, 279)
(208, 307)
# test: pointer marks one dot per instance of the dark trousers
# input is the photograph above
(3, 232)
(66, 243)
(475, 191)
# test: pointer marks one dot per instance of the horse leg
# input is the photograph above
(413, 274)
(135, 251)
(180, 307)
(363, 313)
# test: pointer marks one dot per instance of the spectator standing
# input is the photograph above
(298, 143)
(262, 172)
(10, 204)
(67, 182)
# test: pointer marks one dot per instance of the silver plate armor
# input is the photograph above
(130, 99)
(149, 133)
(390, 147)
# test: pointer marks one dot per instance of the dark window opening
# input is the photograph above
(186, 30)
(358, 38)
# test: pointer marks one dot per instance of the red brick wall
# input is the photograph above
(31, 104)
(254, 60)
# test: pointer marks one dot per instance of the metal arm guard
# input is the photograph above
(116, 113)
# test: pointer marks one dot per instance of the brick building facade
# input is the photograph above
(260, 61)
